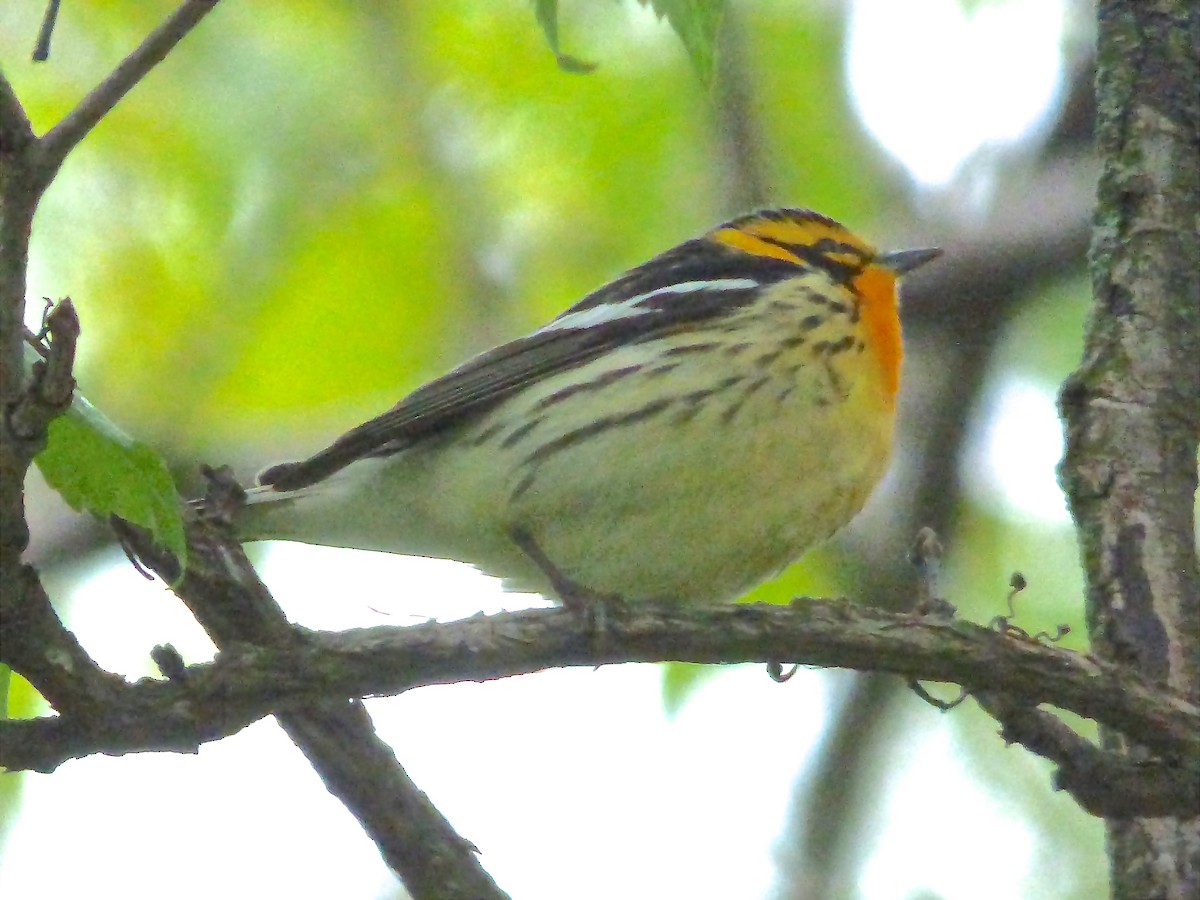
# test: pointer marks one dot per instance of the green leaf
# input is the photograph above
(546, 12)
(5, 673)
(697, 22)
(98, 468)
(680, 681)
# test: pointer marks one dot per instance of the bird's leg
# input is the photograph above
(576, 597)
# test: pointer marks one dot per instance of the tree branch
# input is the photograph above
(15, 131)
(41, 50)
(224, 592)
(362, 771)
(246, 683)
(35, 643)
(53, 382)
(66, 135)
(1132, 409)
(1103, 783)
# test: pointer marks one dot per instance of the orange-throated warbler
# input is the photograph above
(682, 433)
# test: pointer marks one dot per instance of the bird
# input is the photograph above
(681, 434)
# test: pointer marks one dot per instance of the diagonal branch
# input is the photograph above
(224, 592)
(15, 131)
(362, 771)
(1104, 783)
(67, 134)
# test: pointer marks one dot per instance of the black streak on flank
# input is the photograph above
(835, 381)
(816, 298)
(594, 428)
(519, 432)
(690, 348)
(595, 384)
(734, 408)
(580, 434)
(659, 371)
(487, 434)
(756, 385)
(842, 344)
(827, 349)
(693, 398)
(685, 415)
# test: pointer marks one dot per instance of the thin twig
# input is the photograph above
(50, 390)
(41, 52)
(64, 136)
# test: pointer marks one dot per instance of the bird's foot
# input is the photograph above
(595, 607)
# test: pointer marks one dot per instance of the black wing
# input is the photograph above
(485, 380)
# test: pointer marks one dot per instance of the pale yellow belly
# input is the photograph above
(686, 503)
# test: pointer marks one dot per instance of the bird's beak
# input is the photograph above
(904, 261)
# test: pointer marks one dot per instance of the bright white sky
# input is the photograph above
(569, 772)
(939, 81)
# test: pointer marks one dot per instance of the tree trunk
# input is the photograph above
(1132, 410)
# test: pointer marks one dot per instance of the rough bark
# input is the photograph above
(1132, 409)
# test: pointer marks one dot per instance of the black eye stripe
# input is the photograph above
(820, 256)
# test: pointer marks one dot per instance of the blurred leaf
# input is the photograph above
(697, 22)
(20, 701)
(98, 468)
(821, 572)
(681, 680)
(546, 12)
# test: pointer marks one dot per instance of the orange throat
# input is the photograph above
(880, 314)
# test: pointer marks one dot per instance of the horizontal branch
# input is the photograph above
(245, 684)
